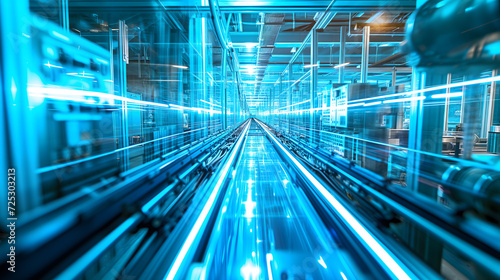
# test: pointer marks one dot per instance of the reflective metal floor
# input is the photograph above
(267, 229)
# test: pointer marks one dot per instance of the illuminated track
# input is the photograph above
(266, 228)
(267, 225)
(387, 260)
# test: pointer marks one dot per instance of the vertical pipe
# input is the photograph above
(342, 53)
(365, 54)
(122, 79)
(447, 104)
(289, 98)
(206, 116)
(350, 19)
(139, 55)
(393, 81)
(228, 23)
(63, 14)
(223, 87)
(492, 100)
(279, 100)
(314, 85)
(240, 22)
(472, 107)
(462, 104)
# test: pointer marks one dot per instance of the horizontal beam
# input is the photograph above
(283, 9)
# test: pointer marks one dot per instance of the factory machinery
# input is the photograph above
(154, 182)
(224, 213)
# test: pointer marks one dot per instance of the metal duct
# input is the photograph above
(268, 33)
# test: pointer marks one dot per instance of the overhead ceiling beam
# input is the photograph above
(343, 9)
(268, 35)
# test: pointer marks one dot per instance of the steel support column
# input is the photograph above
(365, 54)
(121, 77)
(447, 104)
(289, 98)
(393, 80)
(343, 37)
(426, 128)
(223, 87)
(64, 14)
(313, 122)
(491, 109)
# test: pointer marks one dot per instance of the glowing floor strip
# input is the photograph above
(269, 258)
(204, 213)
(374, 245)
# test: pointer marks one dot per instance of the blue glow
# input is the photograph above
(372, 104)
(375, 247)
(404, 99)
(172, 272)
(60, 36)
(269, 258)
(52, 65)
(322, 262)
(440, 4)
(250, 271)
(445, 95)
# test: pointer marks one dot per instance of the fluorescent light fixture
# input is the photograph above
(404, 99)
(311, 65)
(357, 104)
(445, 95)
(341, 65)
(372, 104)
(246, 45)
(180, 66)
(248, 66)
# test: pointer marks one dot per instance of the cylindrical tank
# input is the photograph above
(485, 183)
(494, 139)
(447, 31)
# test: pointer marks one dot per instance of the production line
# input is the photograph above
(221, 139)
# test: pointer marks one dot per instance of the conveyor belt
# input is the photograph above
(267, 228)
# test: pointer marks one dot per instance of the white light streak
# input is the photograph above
(341, 65)
(322, 262)
(210, 103)
(404, 99)
(204, 213)
(376, 248)
(311, 65)
(372, 104)
(356, 104)
(445, 95)
(269, 258)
